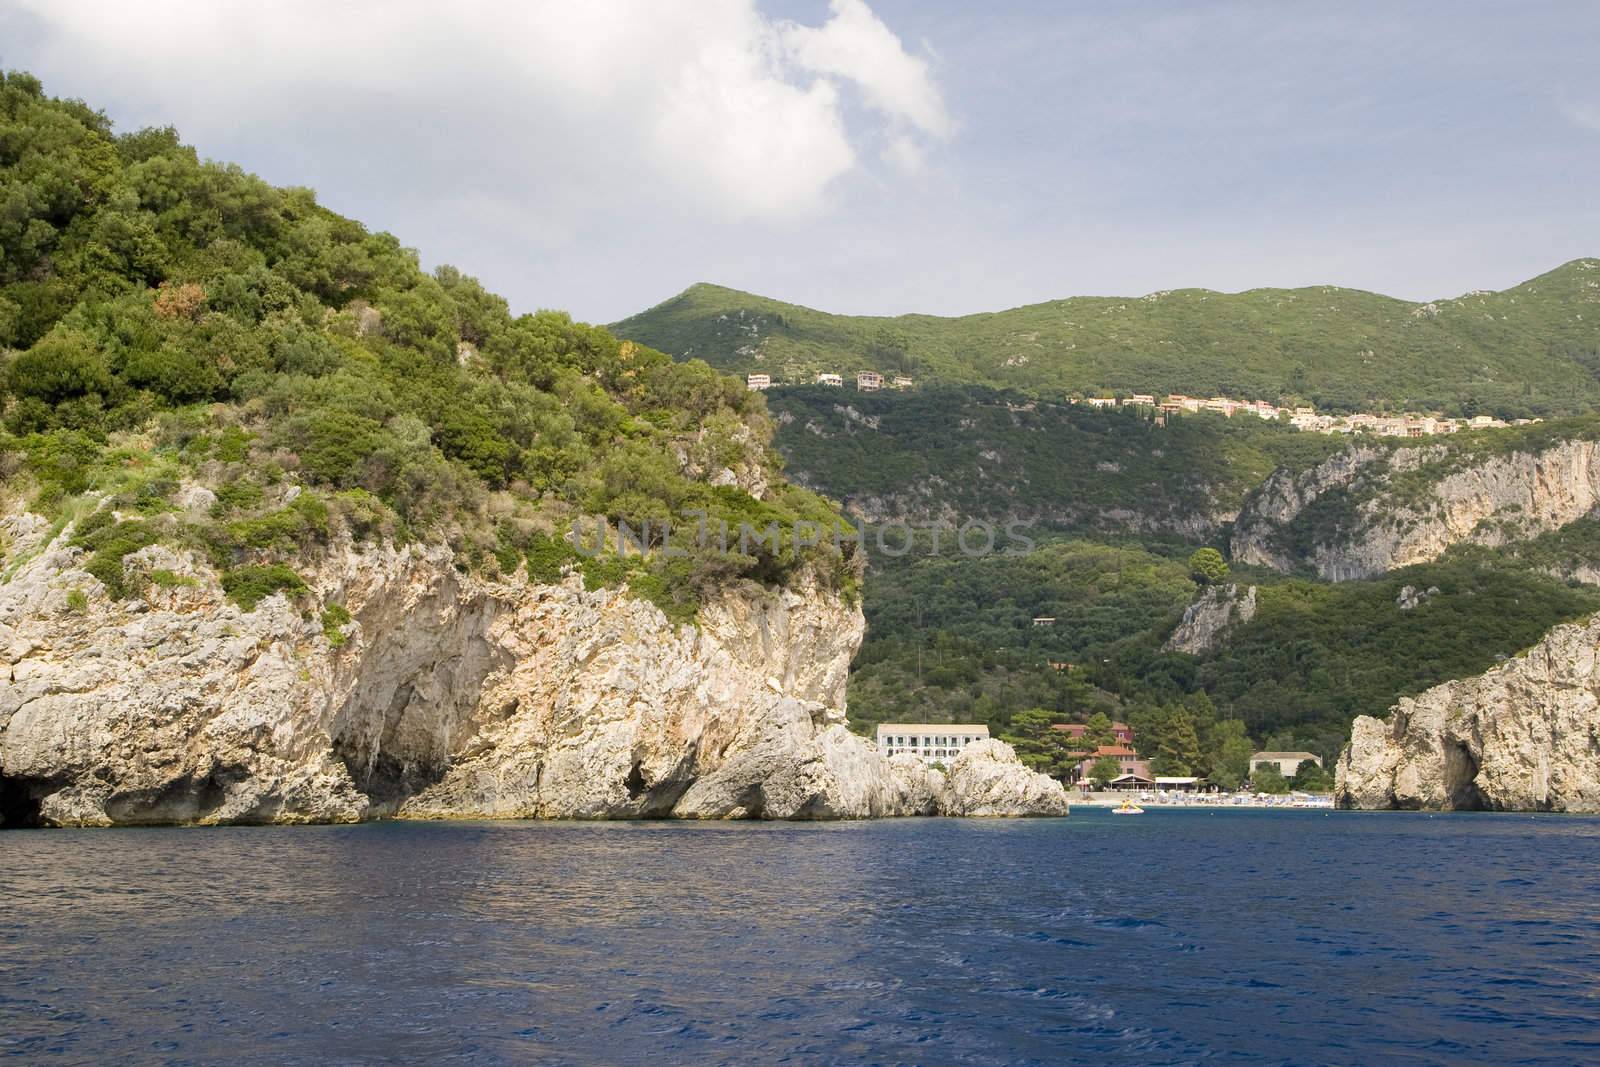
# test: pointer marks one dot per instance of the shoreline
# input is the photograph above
(1201, 801)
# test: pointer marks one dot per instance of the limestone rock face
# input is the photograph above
(1396, 522)
(985, 779)
(1522, 737)
(1207, 620)
(447, 696)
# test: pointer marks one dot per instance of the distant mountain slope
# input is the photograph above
(953, 453)
(1531, 349)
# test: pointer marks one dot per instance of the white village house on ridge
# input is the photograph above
(935, 742)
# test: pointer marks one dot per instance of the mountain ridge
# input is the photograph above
(1576, 264)
(1524, 350)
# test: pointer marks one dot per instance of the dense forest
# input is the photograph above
(988, 454)
(955, 639)
(167, 322)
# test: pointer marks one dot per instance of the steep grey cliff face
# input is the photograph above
(1207, 621)
(1349, 519)
(1522, 737)
(447, 696)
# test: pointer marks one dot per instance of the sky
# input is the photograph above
(884, 156)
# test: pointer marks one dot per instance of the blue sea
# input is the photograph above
(1175, 937)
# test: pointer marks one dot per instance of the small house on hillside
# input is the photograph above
(1286, 762)
(869, 381)
(758, 382)
(835, 380)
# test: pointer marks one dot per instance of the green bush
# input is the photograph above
(248, 586)
(548, 557)
(334, 618)
(63, 365)
(108, 543)
(233, 444)
(303, 522)
(238, 495)
(177, 375)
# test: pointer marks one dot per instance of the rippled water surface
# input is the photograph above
(1302, 937)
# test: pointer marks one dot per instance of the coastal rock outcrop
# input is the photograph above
(1207, 620)
(983, 781)
(1370, 509)
(446, 695)
(1524, 736)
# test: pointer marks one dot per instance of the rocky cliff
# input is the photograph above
(1370, 509)
(444, 696)
(1522, 737)
(1206, 622)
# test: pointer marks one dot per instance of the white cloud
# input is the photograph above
(734, 114)
(856, 45)
(905, 153)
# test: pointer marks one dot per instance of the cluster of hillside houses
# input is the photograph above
(1305, 417)
(867, 381)
(941, 742)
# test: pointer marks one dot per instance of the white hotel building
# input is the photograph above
(932, 742)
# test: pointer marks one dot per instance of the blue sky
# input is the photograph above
(883, 156)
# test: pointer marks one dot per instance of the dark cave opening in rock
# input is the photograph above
(388, 780)
(1460, 778)
(19, 806)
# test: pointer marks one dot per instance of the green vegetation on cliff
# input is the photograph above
(984, 454)
(1530, 350)
(168, 324)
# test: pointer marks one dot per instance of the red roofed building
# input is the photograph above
(1125, 756)
(1120, 730)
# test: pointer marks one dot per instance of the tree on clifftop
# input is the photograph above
(1207, 566)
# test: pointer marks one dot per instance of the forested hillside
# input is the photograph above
(951, 638)
(984, 435)
(954, 639)
(1530, 350)
(236, 368)
(986, 454)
